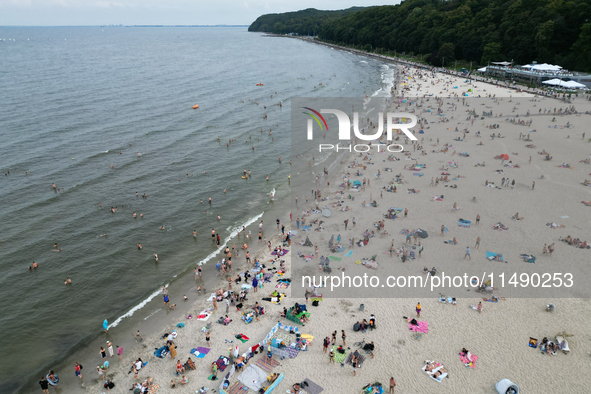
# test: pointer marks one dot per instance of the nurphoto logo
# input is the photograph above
(394, 121)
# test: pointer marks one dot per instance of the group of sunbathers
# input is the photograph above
(433, 366)
(575, 242)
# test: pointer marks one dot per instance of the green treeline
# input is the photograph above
(303, 23)
(548, 31)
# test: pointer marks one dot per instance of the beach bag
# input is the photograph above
(80, 365)
(315, 303)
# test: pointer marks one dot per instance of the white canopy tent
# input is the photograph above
(564, 84)
(574, 85)
(555, 82)
(542, 67)
(482, 70)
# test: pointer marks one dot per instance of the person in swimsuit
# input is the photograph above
(392, 385)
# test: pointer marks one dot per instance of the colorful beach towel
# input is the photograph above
(205, 314)
(349, 253)
(464, 223)
(200, 352)
(339, 357)
(283, 252)
(469, 362)
(288, 352)
(241, 337)
(222, 362)
(335, 258)
(267, 365)
(422, 327)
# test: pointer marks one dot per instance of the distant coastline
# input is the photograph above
(174, 25)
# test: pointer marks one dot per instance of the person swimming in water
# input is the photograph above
(161, 227)
(156, 257)
(68, 281)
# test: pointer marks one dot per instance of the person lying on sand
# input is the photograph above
(431, 366)
(516, 217)
(437, 374)
(411, 321)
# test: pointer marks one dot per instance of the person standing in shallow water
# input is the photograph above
(44, 385)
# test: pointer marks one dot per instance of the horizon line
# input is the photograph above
(121, 25)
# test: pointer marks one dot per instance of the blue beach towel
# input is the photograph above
(491, 255)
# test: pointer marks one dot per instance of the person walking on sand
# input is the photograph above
(442, 229)
(346, 223)
(405, 212)
(533, 185)
(344, 336)
(468, 253)
(110, 348)
(325, 344)
(138, 336)
(120, 353)
(78, 370)
(478, 219)
(418, 309)
(207, 337)
(477, 246)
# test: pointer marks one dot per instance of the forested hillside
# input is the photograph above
(305, 22)
(552, 31)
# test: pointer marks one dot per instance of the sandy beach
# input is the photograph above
(499, 335)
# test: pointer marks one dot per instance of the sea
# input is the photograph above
(106, 115)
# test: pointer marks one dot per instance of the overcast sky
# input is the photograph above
(161, 12)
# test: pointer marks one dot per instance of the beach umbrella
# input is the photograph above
(422, 233)
(505, 157)
(326, 212)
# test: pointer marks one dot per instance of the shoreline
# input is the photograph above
(128, 322)
(403, 353)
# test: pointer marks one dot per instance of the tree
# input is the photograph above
(491, 52)
(447, 52)
(556, 31)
